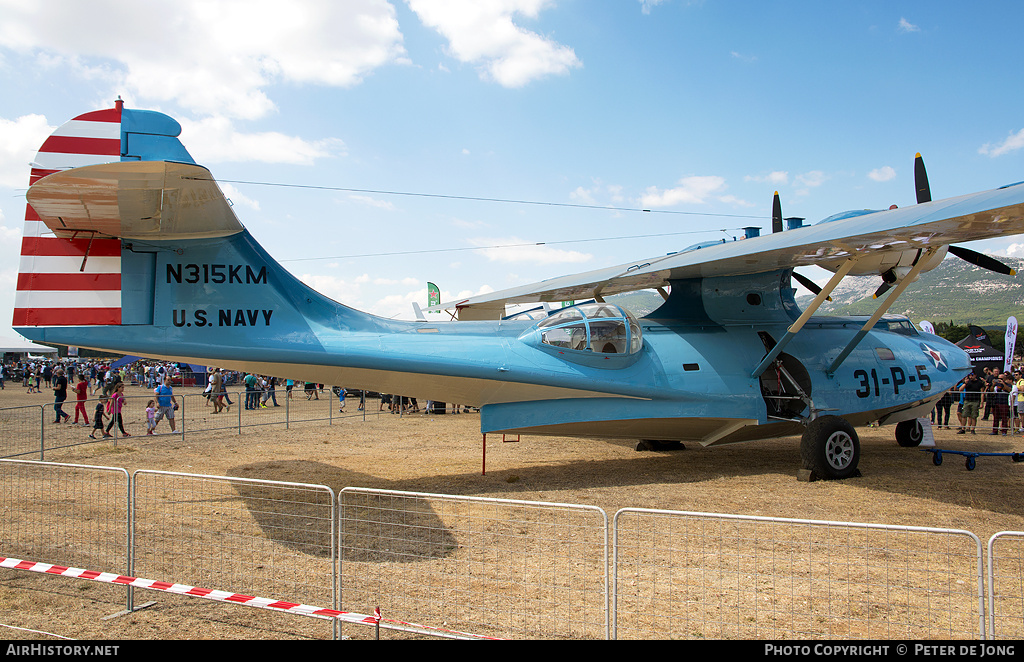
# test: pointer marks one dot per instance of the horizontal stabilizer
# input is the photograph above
(134, 200)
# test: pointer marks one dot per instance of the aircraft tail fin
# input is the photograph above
(72, 275)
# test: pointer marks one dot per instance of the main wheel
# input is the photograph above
(909, 434)
(830, 448)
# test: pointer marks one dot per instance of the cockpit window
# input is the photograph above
(593, 327)
(903, 327)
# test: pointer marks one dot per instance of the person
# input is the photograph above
(60, 394)
(942, 409)
(971, 391)
(1020, 402)
(269, 392)
(217, 384)
(251, 398)
(166, 403)
(81, 394)
(97, 419)
(150, 416)
(341, 399)
(208, 391)
(116, 404)
(999, 393)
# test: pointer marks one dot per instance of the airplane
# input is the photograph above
(130, 246)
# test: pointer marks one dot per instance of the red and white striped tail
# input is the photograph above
(71, 281)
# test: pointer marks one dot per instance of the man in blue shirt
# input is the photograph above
(166, 403)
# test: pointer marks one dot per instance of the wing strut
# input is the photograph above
(799, 323)
(882, 308)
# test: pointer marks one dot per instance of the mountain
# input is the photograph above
(955, 290)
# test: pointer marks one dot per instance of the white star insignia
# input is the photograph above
(935, 356)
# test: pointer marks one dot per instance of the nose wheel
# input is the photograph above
(830, 448)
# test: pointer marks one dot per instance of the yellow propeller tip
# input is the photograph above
(918, 155)
(1013, 272)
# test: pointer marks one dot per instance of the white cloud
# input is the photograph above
(216, 140)
(1013, 142)
(484, 34)
(20, 139)
(883, 174)
(776, 178)
(811, 179)
(645, 5)
(691, 190)
(211, 56)
(238, 198)
(1013, 250)
(514, 249)
(907, 26)
(370, 201)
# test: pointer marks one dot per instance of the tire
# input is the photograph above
(936, 459)
(830, 448)
(909, 434)
(970, 463)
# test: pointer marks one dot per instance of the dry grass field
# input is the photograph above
(443, 454)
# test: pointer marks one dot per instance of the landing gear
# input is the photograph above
(909, 433)
(830, 448)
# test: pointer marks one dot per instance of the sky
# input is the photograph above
(373, 146)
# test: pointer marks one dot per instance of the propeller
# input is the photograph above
(888, 279)
(924, 194)
(982, 260)
(776, 214)
(808, 283)
(777, 227)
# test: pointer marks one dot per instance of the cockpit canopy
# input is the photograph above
(587, 330)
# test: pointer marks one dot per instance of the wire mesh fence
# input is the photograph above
(261, 538)
(1006, 585)
(65, 514)
(482, 567)
(699, 575)
(32, 430)
(468, 566)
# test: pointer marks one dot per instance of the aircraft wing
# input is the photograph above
(999, 212)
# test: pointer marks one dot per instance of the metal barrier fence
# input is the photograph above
(30, 430)
(686, 574)
(258, 537)
(77, 515)
(1006, 585)
(487, 567)
(501, 568)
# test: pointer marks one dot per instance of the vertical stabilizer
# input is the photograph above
(75, 280)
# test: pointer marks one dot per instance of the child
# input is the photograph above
(116, 404)
(150, 416)
(97, 419)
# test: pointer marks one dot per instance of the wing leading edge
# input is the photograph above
(867, 238)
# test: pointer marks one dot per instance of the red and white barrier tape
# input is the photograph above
(182, 589)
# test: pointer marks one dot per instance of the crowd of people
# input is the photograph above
(996, 394)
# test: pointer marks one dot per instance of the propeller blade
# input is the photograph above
(882, 289)
(808, 283)
(924, 192)
(981, 260)
(776, 213)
